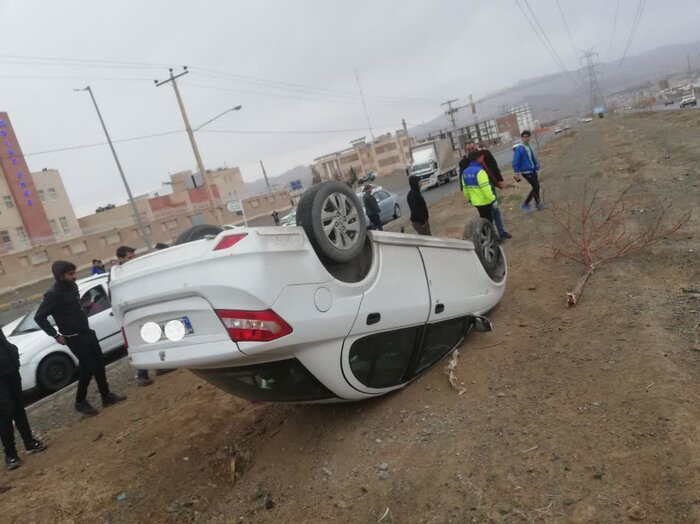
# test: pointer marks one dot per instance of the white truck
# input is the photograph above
(434, 163)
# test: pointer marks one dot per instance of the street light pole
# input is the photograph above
(137, 215)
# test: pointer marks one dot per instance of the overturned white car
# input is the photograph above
(319, 312)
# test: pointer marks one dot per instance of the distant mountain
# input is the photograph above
(302, 173)
(556, 97)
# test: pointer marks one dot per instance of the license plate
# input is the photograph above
(185, 322)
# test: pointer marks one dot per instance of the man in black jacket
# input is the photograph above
(12, 406)
(372, 208)
(418, 207)
(62, 302)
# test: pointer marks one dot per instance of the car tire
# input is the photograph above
(397, 211)
(483, 235)
(304, 206)
(197, 232)
(55, 372)
(334, 221)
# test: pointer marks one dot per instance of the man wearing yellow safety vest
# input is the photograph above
(477, 187)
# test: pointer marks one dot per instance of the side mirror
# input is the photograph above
(479, 323)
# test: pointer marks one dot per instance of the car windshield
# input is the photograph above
(421, 167)
(28, 325)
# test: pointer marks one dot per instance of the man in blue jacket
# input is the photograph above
(525, 164)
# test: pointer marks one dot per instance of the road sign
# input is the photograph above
(295, 185)
(234, 206)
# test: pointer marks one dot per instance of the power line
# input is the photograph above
(566, 26)
(614, 29)
(633, 31)
(544, 39)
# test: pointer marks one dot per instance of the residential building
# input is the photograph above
(383, 155)
(34, 207)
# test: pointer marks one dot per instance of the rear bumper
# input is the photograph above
(209, 354)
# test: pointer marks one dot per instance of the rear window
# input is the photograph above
(281, 381)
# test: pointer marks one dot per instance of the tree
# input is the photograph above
(594, 232)
(315, 176)
(336, 176)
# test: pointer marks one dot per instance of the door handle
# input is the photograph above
(373, 318)
(439, 308)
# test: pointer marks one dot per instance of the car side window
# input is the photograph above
(439, 339)
(381, 360)
(95, 300)
(381, 195)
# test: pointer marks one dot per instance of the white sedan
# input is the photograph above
(322, 312)
(48, 365)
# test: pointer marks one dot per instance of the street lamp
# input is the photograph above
(237, 108)
(137, 215)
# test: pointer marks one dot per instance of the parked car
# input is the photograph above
(558, 131)
(321, 312)
(669, 102)
(46, 364)
(689, 100)
(369, 177)
(389, 208)
(290, 219)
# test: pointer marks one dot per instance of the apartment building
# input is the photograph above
(34, 207)
(383, 155)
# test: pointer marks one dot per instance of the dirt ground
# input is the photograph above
(588, 414)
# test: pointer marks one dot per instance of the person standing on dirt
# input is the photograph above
(62, 302)
(12, 406)
(418, 207)
(525, 164)
(477, 186)
(496, 179)
(124, 254)
(372, 209)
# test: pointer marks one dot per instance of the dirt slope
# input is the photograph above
(589, 414)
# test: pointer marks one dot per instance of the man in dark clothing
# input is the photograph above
(372, 208)
(418, 207)
(496, 179)
(12, 406)
(124, 254)
(62, 302)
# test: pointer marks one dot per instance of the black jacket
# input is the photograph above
(416, 202)
(9, 356)
(371, 204)
(492, 166)
(62, 302)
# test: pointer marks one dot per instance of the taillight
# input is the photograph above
(126, 343)
(253, 326)
(230, 240)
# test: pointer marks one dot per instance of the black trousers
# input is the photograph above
(376, 222)
(535, 184)
(87, 350)
(486, 212)
(12, 409)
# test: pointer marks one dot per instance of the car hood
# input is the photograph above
(7, 329)
(29, 344)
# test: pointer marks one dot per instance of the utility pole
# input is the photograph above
(200, 165)
(364, 105)
(405, 132)
(451, 113)
(137, 215)
(594, 91)
(267, 182)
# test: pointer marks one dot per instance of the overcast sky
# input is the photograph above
(289, 63)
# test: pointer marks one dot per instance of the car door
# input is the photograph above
(382, 198)
(388, 328)
(97, 307)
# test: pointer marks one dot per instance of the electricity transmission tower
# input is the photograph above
(594, 91)
(451, 113)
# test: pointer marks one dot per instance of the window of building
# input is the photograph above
(64, 224)
(198, 219)
(103, 241)
(54, 228)
(78, 247)
(255, 203)
(24, 261)
(42, 195)
(21, 235)
(39, 257)
(9, 204)
(389, 161)
(172, 224)
(114, 238)
(52, 194)
(271, 199)
(5, 236)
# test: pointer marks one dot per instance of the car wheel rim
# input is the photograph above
(56, 374)
(341, 221)
(488, 244)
